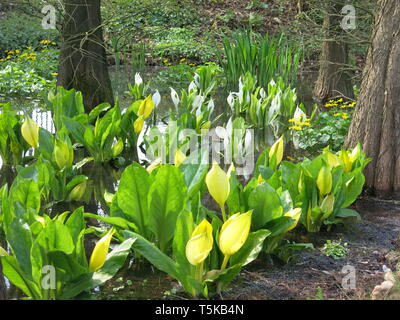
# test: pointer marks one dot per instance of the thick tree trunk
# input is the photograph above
(333, 78)
(376, 121)
(83, 64)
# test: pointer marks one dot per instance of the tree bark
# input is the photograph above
(376, 121)
(333, 80)
(83, 64)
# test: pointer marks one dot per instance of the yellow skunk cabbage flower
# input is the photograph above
(218, 185)
(344, 156)
(138, 124)
(295, 215)
(234, 233)
(324, 180)
(355, 153)
(78, 191)
(179, 157)
(146, 107)
(333, 160)
(117, 148)
(231, 170)
(100, 251)
(41, 220)
(155, 164)
(30, 132)
(206, 125)
(277, 150)
(327, 205)
(63, 154)
(200, 244)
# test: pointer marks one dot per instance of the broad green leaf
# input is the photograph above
(183, 232)
(132, 196)
(19, 278)
(167, 197)
(266, 204)
(251, 248)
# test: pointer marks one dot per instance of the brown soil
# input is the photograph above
(372, 244)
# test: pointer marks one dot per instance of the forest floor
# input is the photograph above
(373, 244)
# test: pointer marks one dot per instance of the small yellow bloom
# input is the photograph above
(333, 160)
(260, 179)
(295, 128)
(277, 150)
(180, 157)
(155, 164)
(344, 157)
(54, 74)
(200, 243)
(99, 254)
(218, 184)
(30, 132)
(146, 107)
(295, 215)
(234, 233)
(78, 192)
(63, 154)
(138, 124)
(324, 180)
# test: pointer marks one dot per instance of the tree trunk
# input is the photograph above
(83, 64)
(333, 80)
(376, 121)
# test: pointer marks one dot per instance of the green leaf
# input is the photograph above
(26, 192)
(183, 232)
(167, 197)
(251, 248)
(157, 258)
(132, 196)
(115, 221)
(346, 213)
(266, 204)
(114, 261)
(19, 278)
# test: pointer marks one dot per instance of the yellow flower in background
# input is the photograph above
(277, 150)
(234, 233)
(295, 128)
(200, 243)
(30, 132)
(260, 179)
(217, 182)
(99, 254)
(180, 157)
(54, 74)
(324, 180)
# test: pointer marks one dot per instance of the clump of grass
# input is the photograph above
(264, 57)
